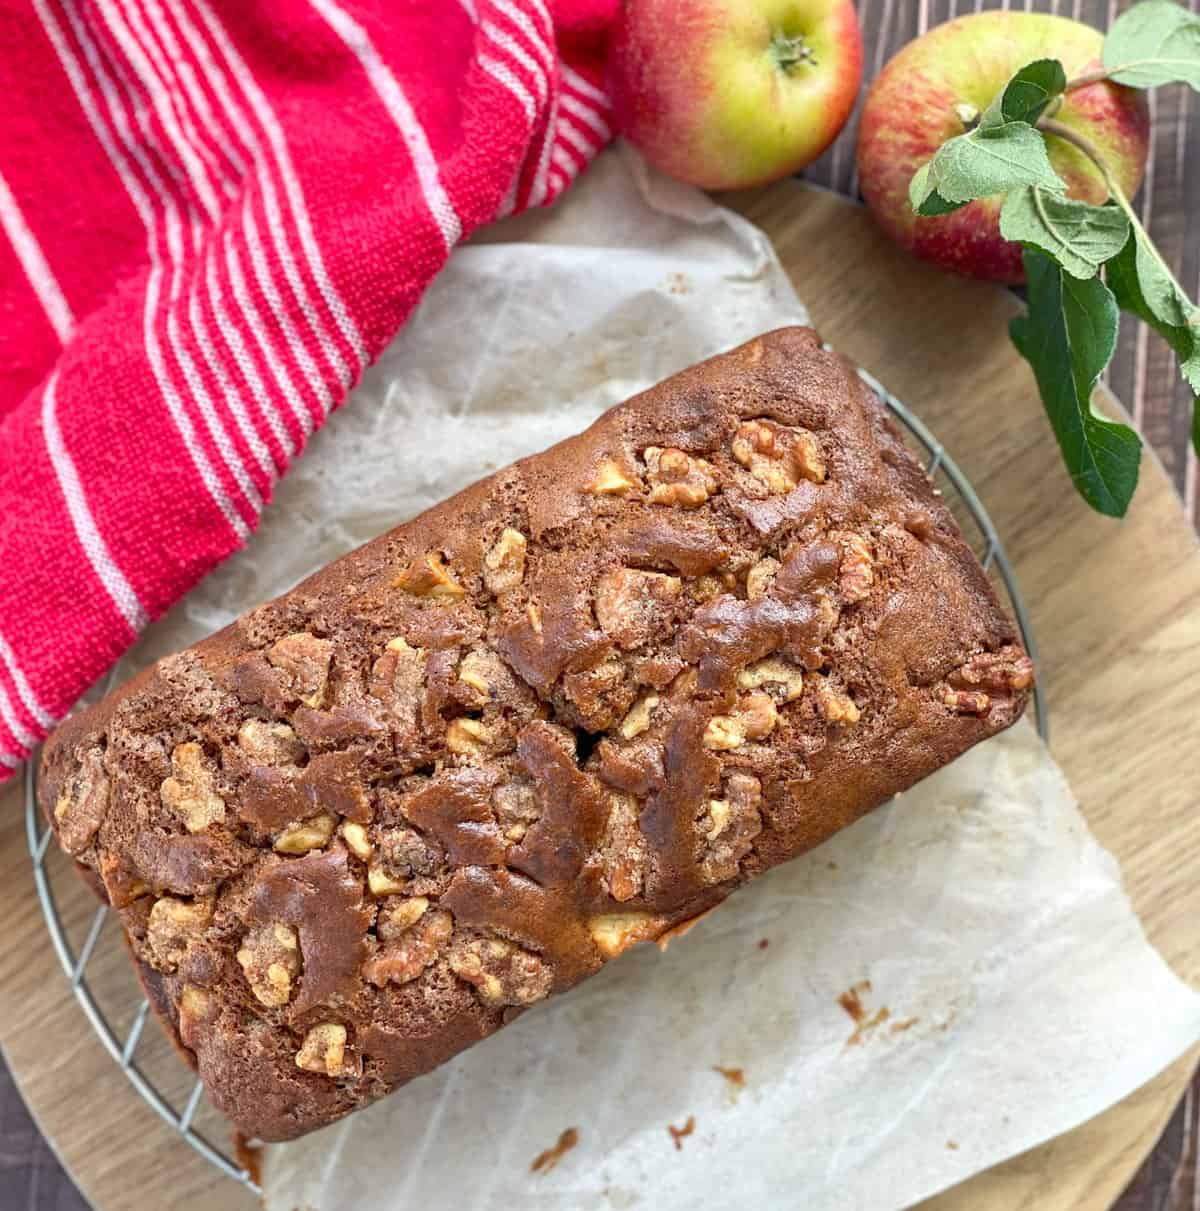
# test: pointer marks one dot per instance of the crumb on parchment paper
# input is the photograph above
(865, 1022)
(864, 1028)
(545, 1161)
(735, 1082)
(735, 1076)
(679, 1134)
(851, 1001)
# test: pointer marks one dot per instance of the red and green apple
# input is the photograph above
(731, 93)
(936, 84)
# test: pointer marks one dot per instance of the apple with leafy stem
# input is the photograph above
(730, 93)
(938, 87)
(1037, 138)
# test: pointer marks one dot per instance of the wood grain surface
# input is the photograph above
(31, 1178)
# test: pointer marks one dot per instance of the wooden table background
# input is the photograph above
(1142, 375)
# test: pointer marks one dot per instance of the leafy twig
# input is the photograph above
(1089, 149)
(1051, 226)
(1110, 73)
(1069, 330)
(1090, 77)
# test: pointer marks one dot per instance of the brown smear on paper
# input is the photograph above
(865, 1023)
(545, 1161)
(678, 1134)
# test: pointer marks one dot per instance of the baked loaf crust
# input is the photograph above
(568, 710)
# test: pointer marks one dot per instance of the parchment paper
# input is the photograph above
(951, 981)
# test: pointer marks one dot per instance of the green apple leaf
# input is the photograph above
(1026, 95)
(925, 199)
(991, 160)
(1080, 237)
(1067, 335)
(1143, 286)
(1189, 361)
(1163, 295)
(1155, 42)
(934, 205)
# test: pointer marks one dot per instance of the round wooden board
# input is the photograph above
(1115, 607)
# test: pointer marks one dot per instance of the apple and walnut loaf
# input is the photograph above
(568, 710)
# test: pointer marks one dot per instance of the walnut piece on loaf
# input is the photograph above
(563, 713)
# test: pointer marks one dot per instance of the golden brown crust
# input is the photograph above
(569, 709)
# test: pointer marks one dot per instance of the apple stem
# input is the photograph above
(1105, 73)
(1092, 77)
(790, 50)
(1089, 149)
(1051, 127)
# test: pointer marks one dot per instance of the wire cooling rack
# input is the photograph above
(125, 1042)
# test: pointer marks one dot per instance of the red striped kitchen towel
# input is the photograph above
(216, 213)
